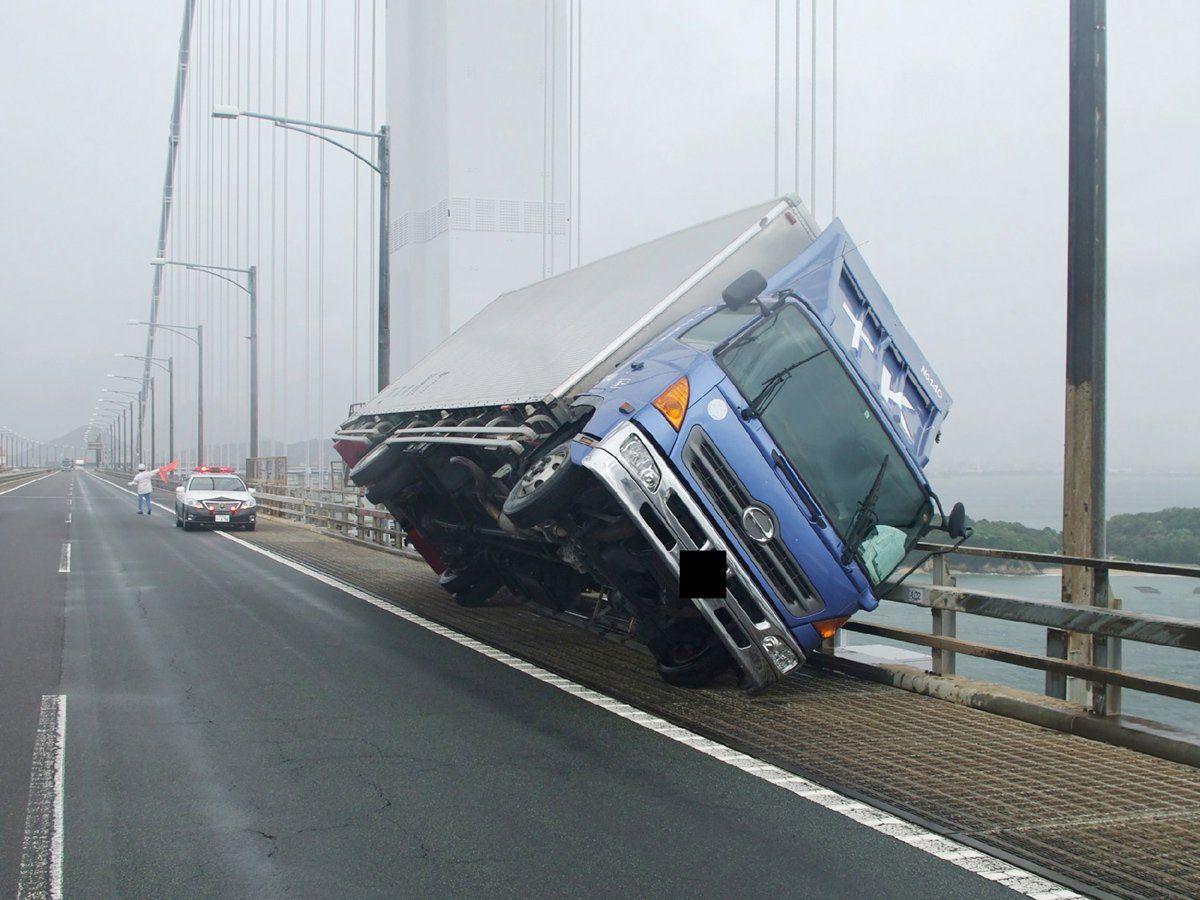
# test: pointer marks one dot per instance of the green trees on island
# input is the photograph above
(1167, 536)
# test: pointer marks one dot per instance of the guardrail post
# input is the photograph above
(1106, 651)
(945, 621)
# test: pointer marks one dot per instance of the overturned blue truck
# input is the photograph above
(717, 437)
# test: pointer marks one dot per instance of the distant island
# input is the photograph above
(1167, 536)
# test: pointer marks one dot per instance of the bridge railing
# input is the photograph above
(347, 512)
(1109, 625)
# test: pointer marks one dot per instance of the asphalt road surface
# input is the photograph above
(234, 727)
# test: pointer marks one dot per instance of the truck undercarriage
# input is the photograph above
(491, 499)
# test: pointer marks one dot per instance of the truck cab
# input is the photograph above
(785, 430)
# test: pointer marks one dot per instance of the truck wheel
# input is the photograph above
(546, 487)
(469, 588)
(376, 464)
(681, 668)
(402, 475)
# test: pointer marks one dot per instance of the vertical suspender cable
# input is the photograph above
(571, 134)
(812, 143)
(579, 141)
(796, 111)
(834, 136)
(355, 214)
(321, 248)
(274, 295)
(775, 133)
(286, 223)
(372, 354)
(545, 127)
(553, 80)
(308, 248)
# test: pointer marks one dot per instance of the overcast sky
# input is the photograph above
(951, 174)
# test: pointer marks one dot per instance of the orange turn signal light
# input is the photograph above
(827, 627)
(672, 402)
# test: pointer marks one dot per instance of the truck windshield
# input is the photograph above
(822, 423)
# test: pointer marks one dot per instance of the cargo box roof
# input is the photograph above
(557, 337)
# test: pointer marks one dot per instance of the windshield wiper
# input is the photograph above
(772, 385)
(748, 335)
(864, 517)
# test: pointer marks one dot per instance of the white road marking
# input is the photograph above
(68, 518)
(42, 848)
(64, 558)
(26, 483)
(944, 848)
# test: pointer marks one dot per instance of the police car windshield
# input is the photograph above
(216, 483)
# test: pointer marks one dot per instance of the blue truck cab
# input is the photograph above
(771, 448)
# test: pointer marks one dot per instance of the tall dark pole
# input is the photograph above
(252, 286)
(1084, 450)
(132, 446)
(384, 334)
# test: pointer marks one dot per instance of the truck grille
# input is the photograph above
(717, 479)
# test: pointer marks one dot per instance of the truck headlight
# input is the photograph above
(783, 658)
(637, 455)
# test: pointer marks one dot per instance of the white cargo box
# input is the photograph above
(556, 338)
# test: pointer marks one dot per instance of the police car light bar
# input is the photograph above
(221, 470)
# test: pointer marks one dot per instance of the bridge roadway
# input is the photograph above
(278, 713)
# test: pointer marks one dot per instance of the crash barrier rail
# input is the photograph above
(16, 475)
(345, 511)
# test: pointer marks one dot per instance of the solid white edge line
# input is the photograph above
(24, 484)
(944, 848)
(41, 872)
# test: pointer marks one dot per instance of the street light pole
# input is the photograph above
(198, 340)
(251, 289)
(380, 166)
(169, 368)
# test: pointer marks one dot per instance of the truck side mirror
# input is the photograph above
(956, 524)
(744, 289)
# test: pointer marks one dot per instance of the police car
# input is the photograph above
(215, 497)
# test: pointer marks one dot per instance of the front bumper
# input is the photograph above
(759, 625)
(203, 517)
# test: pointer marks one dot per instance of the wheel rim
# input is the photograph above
(542, 471)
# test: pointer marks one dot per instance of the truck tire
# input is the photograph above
(376, 464)
(403, 474)
(546, 487)
(469, 588)
(696, 671)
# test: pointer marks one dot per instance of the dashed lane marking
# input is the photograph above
(42, 849)
(944, 848)
(64, 558)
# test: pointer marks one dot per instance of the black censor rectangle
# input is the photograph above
(702, 574)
